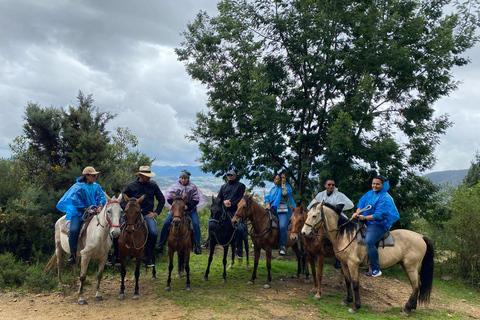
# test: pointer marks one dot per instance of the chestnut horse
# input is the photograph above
(411, 250)
(315, 247)
(262, 234)
(179, 239)
(222, 232)
(132, 240)
(93, 243)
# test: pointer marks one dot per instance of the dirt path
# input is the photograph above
(57, 305)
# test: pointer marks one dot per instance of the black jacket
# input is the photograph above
(233, 191)
(151, 191)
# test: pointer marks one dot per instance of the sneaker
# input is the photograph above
(206, 244)
(376, 273)
(71, 259)
(239, 254)
(198, 250)
(149, 263)
(368, 274)
(282, 251)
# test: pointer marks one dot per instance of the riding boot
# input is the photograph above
(206, 244)
(71, 259)
(161, 245)
(113, 258)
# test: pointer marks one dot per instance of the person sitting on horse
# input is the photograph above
(332, 196)
(379, 218)
(135, 189)
(195, 201)
(279, 199)
(84, 194)
(230, 194)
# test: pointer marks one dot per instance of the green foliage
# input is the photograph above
(462, 232)
(328, 88)
(473, 174)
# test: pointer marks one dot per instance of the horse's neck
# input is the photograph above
(331, 224)
(259, 216)
(98, 226)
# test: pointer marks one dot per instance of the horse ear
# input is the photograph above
(127, 199)
(119, 197)
(107, 197)
(184, 196)
(291, 207)
(141, 199)
(250, 196)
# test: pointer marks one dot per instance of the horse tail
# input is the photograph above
(52, 263)
(426, 273)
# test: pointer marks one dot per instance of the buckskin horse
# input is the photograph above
(263, 235)
(179, 239)
(315, 248)
(93, 243)
(411, 250)
(221, 231)
(132, 240)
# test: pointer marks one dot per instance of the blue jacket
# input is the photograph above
(79, 197)
(274, 196)
(383, 209)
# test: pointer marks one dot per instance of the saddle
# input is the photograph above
(387, 239)
(272, 215)
(83, 228)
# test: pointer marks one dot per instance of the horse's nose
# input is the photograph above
(293, 236)
(115, 232)
(235, 223)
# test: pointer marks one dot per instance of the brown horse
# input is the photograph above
(179, 239)
(262, 234)
(315, 247)
(131, 242)
(411, 250)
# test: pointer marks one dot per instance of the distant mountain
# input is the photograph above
(452, 177)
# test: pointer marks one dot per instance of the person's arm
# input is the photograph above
(160, 198)
(191, 204)
(239, 194)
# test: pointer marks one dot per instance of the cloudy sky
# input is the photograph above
(122, 52)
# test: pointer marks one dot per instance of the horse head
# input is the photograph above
(297, 221)
(133, 212)
(216, 213)
(113, 212)
(178, 208)
(314, 219)
(243, 209)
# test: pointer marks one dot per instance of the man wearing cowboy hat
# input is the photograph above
(137, 188)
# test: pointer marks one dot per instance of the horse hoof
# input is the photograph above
(82, 302)
(316, 297)
(121, 297)
(250, 282)
(168, 289)
(405, 313)
(98, 298)
(313, 291)
(307, 281)
(224, 280)
(188, 289)
(229, 267)
(344, 303)
(266, 286)
(351, 310)
(205, 279)
(135, 297)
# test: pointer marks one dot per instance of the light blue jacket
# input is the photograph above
(383, 209)
(79, 197)
(274, 196)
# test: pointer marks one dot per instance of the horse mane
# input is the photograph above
(344, 225)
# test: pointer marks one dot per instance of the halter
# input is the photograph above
(181, 220)
(242, 216)
(220, 221)
(140, 222)
(107, 217)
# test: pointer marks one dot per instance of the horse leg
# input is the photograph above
(318, 280)
(83, 276)
(233, 254)
(181, 263)
(58, 257)
(245, 245)
(224, 260)
(256, 254)
(268, 253)
(412, 274)
(348, 284)
(299, 259)
(210, 259)
(123, 272)
(356, 289)
(187, 267)
(170, 268)
(138, 262)
(101, 266)
(311, 262)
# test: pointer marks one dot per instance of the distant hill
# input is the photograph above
(174, 171)
(452, 177)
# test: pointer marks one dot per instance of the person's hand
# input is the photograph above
(268, 207)
(355, 215)
(152, 215)
(227, 203)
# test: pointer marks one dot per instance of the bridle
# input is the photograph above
(139, 222)
(219, 222)
(178, 222)
(242, 217)
(107, 216)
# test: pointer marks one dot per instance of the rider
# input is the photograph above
(379, 218)
(84, 194)
(230, 194)
(195, 201)
(279, 199)
(334, 197)
(137, 188)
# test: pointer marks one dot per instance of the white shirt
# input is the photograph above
(336, 197)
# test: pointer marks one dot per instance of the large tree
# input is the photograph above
(328, 88)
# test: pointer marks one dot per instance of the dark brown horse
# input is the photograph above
(315, 247)
(132, 240)
(262, 234)
(179, 239)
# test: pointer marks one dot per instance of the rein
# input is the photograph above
(220, 221)
(140, 222)
(250, 233)
(107, 217)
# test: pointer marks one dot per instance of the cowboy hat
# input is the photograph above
(145, 171)
(90, 170)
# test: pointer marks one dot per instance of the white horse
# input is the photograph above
(94, 243)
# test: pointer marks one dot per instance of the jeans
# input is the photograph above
(168, 221)
(283, 221)
(75, 225)
(152, 236)
(373, 235)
